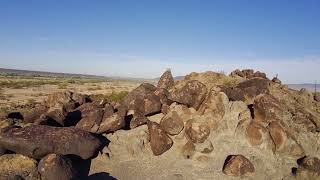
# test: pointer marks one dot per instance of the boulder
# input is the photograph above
(260, 74)
(32, 114)
(237, 165)
(309, 168)
(160, 142)
(114, 122)
(247, 90)
(59, 98)
(38, 140)
(267, 108)
(256, 133)
(278, 136)
(143, 97)
(53, 166)
(166, 80)
(12, 165)
(172, 123)
(197, 130)
(191, 94)
(164, 96)
(91, 116)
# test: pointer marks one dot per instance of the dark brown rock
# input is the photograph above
(276, 80)
(247, 90)
(192, 94)
(160, 142)
(31, 115)
(114, 122)
(237, 165)
(267, 108)
(166, 80)
(37, 141)
(260, 75)
(197, 131)
(309, 168)
(54, 166)
(138, 120)
(91, 116)
(278, 136)
(172, 123)
(164, 96)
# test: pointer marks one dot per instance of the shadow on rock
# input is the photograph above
(101, 176)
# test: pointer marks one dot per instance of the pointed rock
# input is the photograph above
(160, 142)
(166, 80)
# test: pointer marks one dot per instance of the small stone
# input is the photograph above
(188, 150)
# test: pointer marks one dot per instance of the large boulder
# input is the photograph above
(14, 165)
(160, 142)
(54, 166)
(191, 94)
(247, 90)
(91, 116)
(113, 122)
(267, 108)
(32, 114)
(143, 96)
(38, 140)
(172, 123)
(237, 165)
(166, 80)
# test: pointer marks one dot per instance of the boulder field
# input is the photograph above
(206, 126)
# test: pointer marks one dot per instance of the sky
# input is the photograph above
(141, 39)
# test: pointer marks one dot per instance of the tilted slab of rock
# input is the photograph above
(53, 167)
(114, 122)
(247, 90)
(160, 142)
(38, 140)
(192, 94)
(166, 80)
(12, 165)
(238, 165)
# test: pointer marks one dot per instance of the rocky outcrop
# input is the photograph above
(238, 165)
(166, 80)
(248, 74)
(54, 166)
(160, 142)
(192, 94)
(16, 165)
(37, 141)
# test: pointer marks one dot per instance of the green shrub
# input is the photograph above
(117, 96)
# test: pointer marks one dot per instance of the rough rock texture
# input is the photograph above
(91, 116)
(160, 142)
(54, 166)
(197, 131)
(12, 165)
(192, 94)
(172, 123)
(114, 122)
(37, 141)
(238, 165)
(309, 168)
(166, 80)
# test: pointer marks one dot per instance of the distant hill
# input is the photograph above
(13, 72)
(308, 86)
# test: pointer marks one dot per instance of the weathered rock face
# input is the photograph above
(238, 165)
(197, 131)
(37, 141)
(12, 165)
(114, 122)
(143, 96)
(172, 123)
(30, 115)
(61, 98)
(267, 109)
(164, 96)
(256, 133)
(54, 166)
(91, 117)
(278, 135)
(192, 94)
(248, 74)
(166, 80)
(160, 142)
(247, 90)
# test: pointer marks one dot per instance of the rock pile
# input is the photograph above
(207, 126)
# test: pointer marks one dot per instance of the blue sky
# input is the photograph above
(143, 38)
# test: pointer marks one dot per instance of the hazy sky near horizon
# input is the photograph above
(143, 38)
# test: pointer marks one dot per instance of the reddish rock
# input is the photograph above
(172, 123)
(197, 131)
(114, 122)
